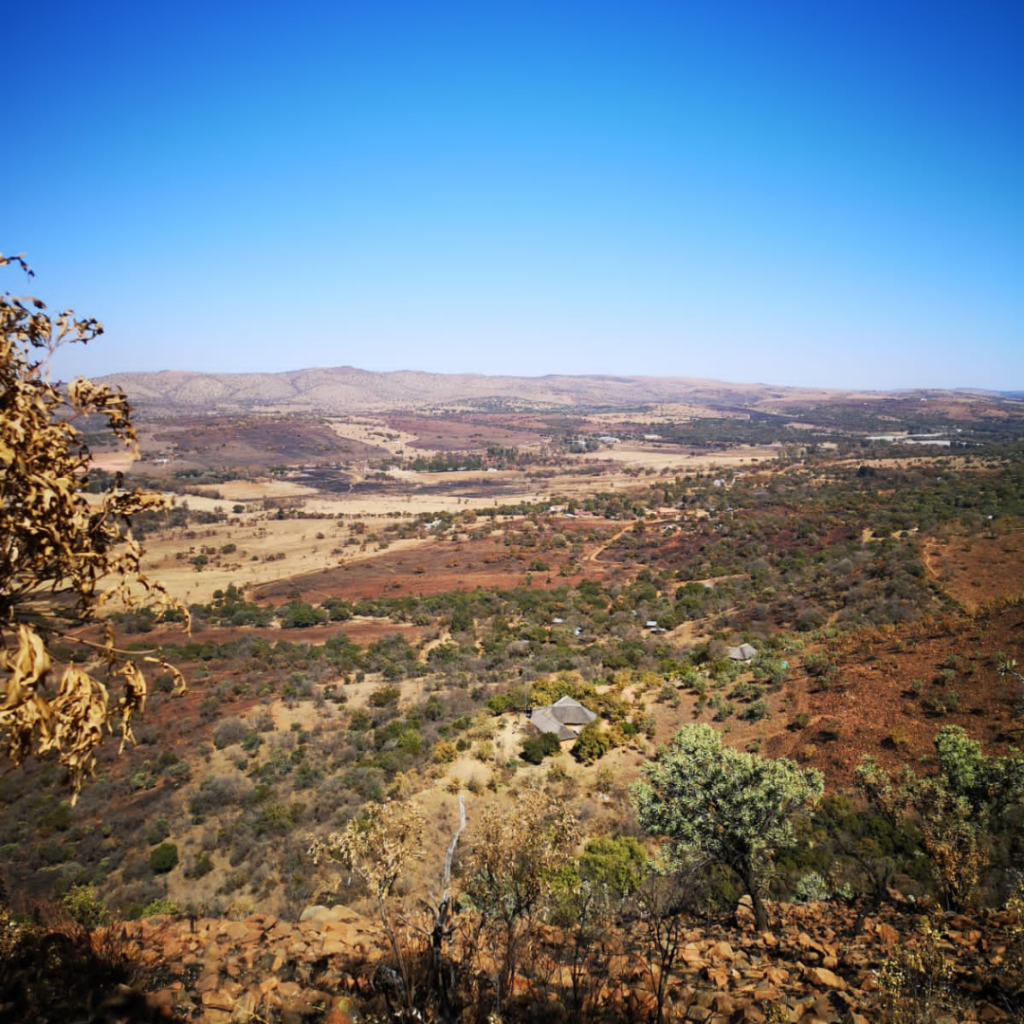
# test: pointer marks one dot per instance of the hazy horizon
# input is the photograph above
(822, 195)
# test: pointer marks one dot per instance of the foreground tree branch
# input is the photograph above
(64, 554)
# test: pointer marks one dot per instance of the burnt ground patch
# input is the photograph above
(253, 442)
(467, 432)
(552, 555)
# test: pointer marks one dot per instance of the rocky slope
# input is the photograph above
(819, 964)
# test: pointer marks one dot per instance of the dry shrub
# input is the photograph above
(63, 555)
(59, 971)
(915, 981)
(378, 847)
(1013, 965)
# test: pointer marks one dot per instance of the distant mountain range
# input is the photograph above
(345, 389)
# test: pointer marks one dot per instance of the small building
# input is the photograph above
(745, 652)
(565, 718)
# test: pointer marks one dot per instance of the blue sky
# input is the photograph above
(789, 192)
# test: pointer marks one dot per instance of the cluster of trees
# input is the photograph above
(718, 813)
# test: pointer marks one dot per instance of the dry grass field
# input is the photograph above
(312, 537)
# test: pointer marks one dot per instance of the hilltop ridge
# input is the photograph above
(348, 389)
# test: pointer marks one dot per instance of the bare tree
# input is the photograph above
(377, 847)
(519, 849)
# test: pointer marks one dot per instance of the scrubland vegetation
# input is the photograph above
(862, 762)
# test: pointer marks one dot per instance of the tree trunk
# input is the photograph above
(760, 913)
(750, 883)
(440, 936)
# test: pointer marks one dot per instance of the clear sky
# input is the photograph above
(821, 192)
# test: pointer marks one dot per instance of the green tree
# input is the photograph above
(735, 808)
(86, 907)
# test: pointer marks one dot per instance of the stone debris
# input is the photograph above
(818, 965)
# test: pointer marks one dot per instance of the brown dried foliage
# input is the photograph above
(63, 557)
(377, 847)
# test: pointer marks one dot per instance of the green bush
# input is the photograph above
(536, 748)
(86, 907)
(593, 743)
(160, 906)
(383, 696)
(616, 863)
(498, 703)
(202, 865)
(159, 831)
(164, 858)
(755, 712)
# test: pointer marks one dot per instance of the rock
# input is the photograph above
(721, 951)
(989, 1013)
(209, 981)
(280, 930)
(335, 947)
(163, 998)
(749, 1014)
(821, 977)
(213, 1016)
(245, 1007)
(338, 1015)
(718, 976)
(217, 1000)
(691, 955)
(304, 1004)
(231, 988)
(232, 931)
(723, 1003)
(806, 942)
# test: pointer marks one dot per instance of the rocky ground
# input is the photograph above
(818, 964)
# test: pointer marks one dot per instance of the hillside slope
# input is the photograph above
(347, 389)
